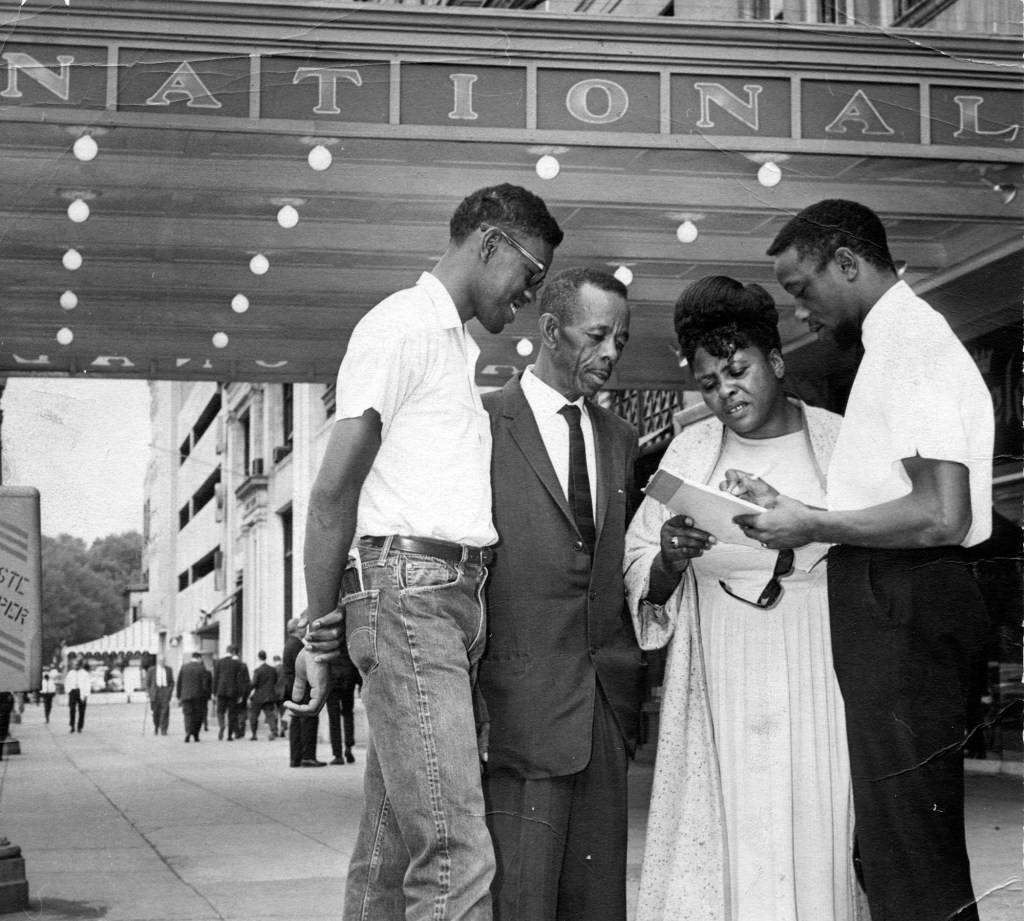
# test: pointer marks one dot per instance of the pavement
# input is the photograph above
(120, 824)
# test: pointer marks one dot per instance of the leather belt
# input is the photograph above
(441, 549)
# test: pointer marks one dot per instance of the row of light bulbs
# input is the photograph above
(320, 158)
(86, 148)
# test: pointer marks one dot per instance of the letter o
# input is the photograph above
(578, 98)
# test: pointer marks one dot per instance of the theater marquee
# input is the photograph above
(536, 97)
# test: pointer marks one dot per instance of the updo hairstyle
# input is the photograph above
(720, 315)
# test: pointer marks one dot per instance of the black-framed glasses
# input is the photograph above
(535, 277)
(772, 592)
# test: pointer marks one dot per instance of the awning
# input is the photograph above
(142, 636)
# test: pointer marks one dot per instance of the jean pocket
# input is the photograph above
(361, 610)
(426, 574)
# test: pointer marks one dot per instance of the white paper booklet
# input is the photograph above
(711, 509)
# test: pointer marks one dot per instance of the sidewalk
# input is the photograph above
(119, 824)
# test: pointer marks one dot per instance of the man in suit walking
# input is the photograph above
(159, 688)
(561, 672)
(231, 685)
(193, 691)
(264, 696)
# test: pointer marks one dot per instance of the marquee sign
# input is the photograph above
(544, 97)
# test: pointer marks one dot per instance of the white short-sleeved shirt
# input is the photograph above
(917, 392)
(546, 402)
(411, 359)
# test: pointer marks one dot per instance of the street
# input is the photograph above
(120, 824)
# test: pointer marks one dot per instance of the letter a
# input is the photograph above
(859, 109)
(184, 83)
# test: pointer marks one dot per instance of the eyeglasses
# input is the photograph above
(535, 277)
(772, 592)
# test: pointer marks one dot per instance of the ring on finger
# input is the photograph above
(675, 542)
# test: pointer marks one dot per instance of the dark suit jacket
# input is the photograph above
(151, 686)
(556, 625)
(230, 678)
(193, 682)
(264, 683)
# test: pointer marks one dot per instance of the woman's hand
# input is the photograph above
(751, 488)
(681, 542)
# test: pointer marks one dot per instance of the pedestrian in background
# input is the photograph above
(302, 730)
(231, 685)
(281, 691)
(264, 683)
(159, 689)
(345, 678)
(78, 686)
(193, 691)
(47, 691)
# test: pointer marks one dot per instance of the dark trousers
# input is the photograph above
(560, 842)
(47, 705)
(6, 709)
(302, 731)
(161, 707)
(906, 625)
(269, 710)
(340, 702)
(231, 712)
(194, 711)
(76, 704)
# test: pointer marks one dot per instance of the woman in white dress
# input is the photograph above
(751, 811)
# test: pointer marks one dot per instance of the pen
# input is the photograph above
(767, 468)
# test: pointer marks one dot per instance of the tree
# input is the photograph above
(83, 588)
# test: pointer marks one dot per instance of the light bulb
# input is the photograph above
(86, 148)
(769, 175)
(548, 167)
(259, 264)
(78, 211)
(287, 217)
(524, 347)
(220, 340)
(624, 274)
(65, 336)
(69, 300)
(320, 158)
(687, 232)
(72, 260)
(239, 303)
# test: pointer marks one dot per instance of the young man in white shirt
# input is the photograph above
(909, 485)
(405, 481)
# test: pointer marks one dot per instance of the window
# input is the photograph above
(287, 412)
(244, 426)
(286, 533)
(185, 449)
(183, 516)
(206, 418)
(205, 565)
(182, 580)
(205, 492)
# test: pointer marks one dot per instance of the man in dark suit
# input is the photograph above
(561, 672)
(231, 685)
(264, 696)
(193, 690)
(160, 688)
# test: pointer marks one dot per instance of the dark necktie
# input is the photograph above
(579, 480)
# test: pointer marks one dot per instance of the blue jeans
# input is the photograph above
(415, 630)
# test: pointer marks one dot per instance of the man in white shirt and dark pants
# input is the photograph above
(78, 687)
(909, 485)
(405, 484)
